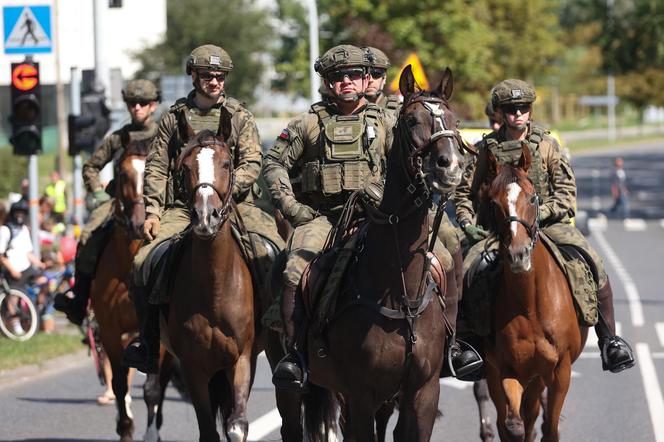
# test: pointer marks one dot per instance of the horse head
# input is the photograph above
(430, 128)
(206, 171)
(514, 210)
(129, 204)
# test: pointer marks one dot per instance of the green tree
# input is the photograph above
(291, 56)
(239, 26)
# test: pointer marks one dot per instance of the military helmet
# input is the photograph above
(20, 205)
(512, 91)
(377, 58)
(341, 56)
(489, 111)
(209, 57)
(141, 90)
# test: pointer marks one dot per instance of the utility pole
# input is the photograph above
(102, 73)
(611, 82)
(313, 49)
(59, 94)
(75, 97)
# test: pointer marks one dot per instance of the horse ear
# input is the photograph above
(446, 85)
(494, 167)
(526, 157)
(186, 132)
(407, 83)
(225, 126)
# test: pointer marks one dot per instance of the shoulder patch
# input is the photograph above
(284, 135)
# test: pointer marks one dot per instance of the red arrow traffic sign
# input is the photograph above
(25, 77)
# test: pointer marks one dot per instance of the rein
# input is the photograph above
(125, 206)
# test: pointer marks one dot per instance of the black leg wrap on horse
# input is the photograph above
(143, 353)
(290, 374)
(617, 354)
(75, 307)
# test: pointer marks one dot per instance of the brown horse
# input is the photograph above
(113, 308)
(388, 336)
(210, 323)
(537, 334)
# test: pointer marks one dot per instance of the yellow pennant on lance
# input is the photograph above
(418, 73)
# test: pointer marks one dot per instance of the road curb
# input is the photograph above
(20, 374)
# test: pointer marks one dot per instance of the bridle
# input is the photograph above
(126, 207)
(227, 199)
(532, 229)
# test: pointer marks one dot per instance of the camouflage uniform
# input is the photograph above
(553, 179)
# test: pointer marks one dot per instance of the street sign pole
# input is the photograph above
(33, 177)
(75, 99)
(611, 109)
(314, 79)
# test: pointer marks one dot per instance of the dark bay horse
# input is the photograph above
(372, 357)
(537, 334)
(210, 323)
(113, 308)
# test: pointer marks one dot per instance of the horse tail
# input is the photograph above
(320, 414)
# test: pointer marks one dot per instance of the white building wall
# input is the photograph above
(137, 24)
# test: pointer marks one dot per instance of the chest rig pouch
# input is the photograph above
(509, 152)
(345, 159)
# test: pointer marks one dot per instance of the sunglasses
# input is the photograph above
(512, 108)
(142, 103)
(208, 76)
(352, 74)
(377, 73)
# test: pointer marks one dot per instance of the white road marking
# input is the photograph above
(659, 328)
(652, 389)
(592, 335)
(633, 298)
(454, 383)
(661, 223)
(597, 224)
(634, 224)
(264, 425)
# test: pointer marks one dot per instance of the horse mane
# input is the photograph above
(509, 174)
(204, 138)
(137, 147)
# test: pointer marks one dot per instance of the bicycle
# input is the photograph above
(19, 319)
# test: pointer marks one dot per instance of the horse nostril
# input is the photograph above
(443, 162)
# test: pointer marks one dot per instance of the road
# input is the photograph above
(60, 405)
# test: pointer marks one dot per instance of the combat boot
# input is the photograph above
(462, 360)
(75, 306)
(290, 373)
(616, 353)
(143, 352)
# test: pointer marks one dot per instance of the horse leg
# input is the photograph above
(481, 392)
(151, 396)
(125, 420)
(514, 423)
(556, 392)
(240, 376)
(200, 398)
(498, 398)
(382, 417)
(530, 407)
(417, 413)
(359, 419)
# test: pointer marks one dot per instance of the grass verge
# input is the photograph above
(579, 146)
(38, 349)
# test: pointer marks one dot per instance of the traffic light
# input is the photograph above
(80, 136)
(25, 118)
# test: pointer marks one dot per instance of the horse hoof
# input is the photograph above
(237, 433)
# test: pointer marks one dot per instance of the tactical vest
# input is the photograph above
(346, 158)
(392, 103)
(509, 152)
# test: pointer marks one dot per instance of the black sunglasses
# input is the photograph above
(208, 76)
(142, 103)
(352, 74)
(377, 73)
(512, 108)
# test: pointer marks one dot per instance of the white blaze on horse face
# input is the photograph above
(205, 159)
(139, 167)
(513, 191)
(438, 114)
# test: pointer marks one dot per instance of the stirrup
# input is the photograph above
(627, 362)
(283, 377)
(137, 355)
(470, 372)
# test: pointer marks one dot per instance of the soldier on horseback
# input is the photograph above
(167, 213)
(553, 178)
(141, 98)
(379, 63)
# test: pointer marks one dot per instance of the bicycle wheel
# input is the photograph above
(18, 315)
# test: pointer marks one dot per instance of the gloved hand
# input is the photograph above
(100, 197)
(151, 228)
(474, 233)
(301, 214)
(544, 212)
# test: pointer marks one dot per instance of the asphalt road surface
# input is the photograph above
(60, 405)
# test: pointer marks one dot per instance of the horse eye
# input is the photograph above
(458, 123)
(226, 164)
(411, 121)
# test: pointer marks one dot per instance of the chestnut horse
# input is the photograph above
(110, 300)
(537, 334)
(387, 337)
(210, 323)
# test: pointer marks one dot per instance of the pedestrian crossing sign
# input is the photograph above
(27, 29)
